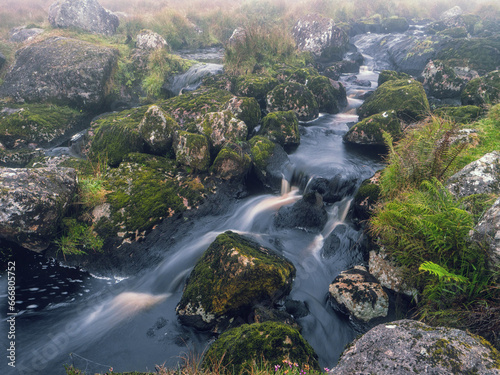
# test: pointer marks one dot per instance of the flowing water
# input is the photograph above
(130, 324)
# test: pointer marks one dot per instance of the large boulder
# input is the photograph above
(255, 86)
(245, 109)
(395, 25)
(463, 114)
(61, 71)
(22, 34)
(370, 130)
(157, 129)
(451, 13)
(282, 128)
(32, 202)
(319, 35)
(233, 274)
(222, 127)
(308, 213)
(406, 97)
(479, 177)
(366, 197)
(334, 189)
(444, 81)
(233, 161)
(391, 75)
(192, 150)
(87, 15)
(149, 40)
(238, 349)
(482, 90)
(411, 347)
(329, 94)
(357, 293)
(488, 230)
(292, 96)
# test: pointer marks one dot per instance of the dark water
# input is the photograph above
(130, 324)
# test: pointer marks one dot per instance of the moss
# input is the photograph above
(158, 129)
(237, 349)
(388, 75)
(232, 161)
(330, 98)
(365, 198)
(222, 127)
(192, 150)
(482, 90)
(256, 86)
(261, 151)
(370, 130)
(454, 32)
(282, 128)
(406, 97)
(395, 24)
(302, 75)
(246, 110)
(293, 96)
(233, 274)
(36, 123)
(478, 204)
(464, 114)
(115, 135)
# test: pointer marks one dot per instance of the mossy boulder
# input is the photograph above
(233, 161)
(186, 108)
(367, 197)
(255, 86)
(455, 32)
(406, 97)
(142, 191)
(395, 25)
(302, 75)
(292, 96)
(282, 128)
(483, 90)
(369, 131)
(444, 81)
(233, 274)
(279, 344)
(268, 159)
(463, 114)
(114, 135)
(388, 75)
(246, 110)
(157, 129)
(192, 150)
(330, 95)
(222, 127)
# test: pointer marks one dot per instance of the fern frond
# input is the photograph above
(441, 272)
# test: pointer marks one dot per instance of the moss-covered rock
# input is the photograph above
(463, 114)
(282, 128)
(222, 127)
(142, 191)
(186, 108)
(115, 135)
(366, 197)
(483, 90)
(233, 274)
(443, 81)
(369, 131)
(330, 95)
(40, 125)
(279, 344)
(233, 161)
(246, 110)
(345, 66)
(192, 150)
(302, 75)
(255, 86)
(157, 129)
(268, 159)
(454, 32)
(395, 25)
(388, 75)
(295, 97)
(406, 97)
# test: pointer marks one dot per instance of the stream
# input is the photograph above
(130, 324)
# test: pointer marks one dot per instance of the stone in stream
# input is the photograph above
(233, 161)
(282, 128)
(308, 213)
(370, 130)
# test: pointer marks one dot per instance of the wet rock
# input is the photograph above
(395, 25)
(370, 130)
(346, 66)
(255, 86)
(149, 40)
(233, 274)
(298, 309)
(246, 110)
(329, 94)
(262, 314)
(282, 128)
(362, 82)
(233, 161)
(192, 150)
(479, 177)
(356, 292)
(443, 81)
(62, 71)
(157, 129)
(22, 34)
(488, 230)
(308, 213)
(32, 203)
(334, 189)
(389, 274)
(292, 96)
(482, 90)
(406, 97)
(238, 348)
(367, 197)
(410, 347)
(192, 79)
(344, 241)
(319, 35)
(87, 15)
(269, 161)
(222, 127)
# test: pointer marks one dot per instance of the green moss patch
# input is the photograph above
(261, 150)
(282, 128)
(482, 90)
(464, 114)
(295, 97)
(256, 86)
(331, 97)
(388, 75)
(370, 130)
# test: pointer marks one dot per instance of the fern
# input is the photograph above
(441, 273)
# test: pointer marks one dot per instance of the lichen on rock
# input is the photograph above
(282, 128)
(370, 130)
(292, 96)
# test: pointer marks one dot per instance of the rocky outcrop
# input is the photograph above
(482, 90)
(357, 293)
(22, 34)
(157, 129)
(329, 94)
(280, 344)
(192, 150)
(32, 202)
(282, 128)
(149, 40)
(255, 86)
(61, 71)
(87, 15)
(479, 177)
(233, 161)
(370, 130)
(334, 189)
(245, 109)
(292, 96)
(443, 81)
(308, 213)
(391, 75)
(411, 347)
(488, 231)
(233, 274)
(319, 35)
(222, 127)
